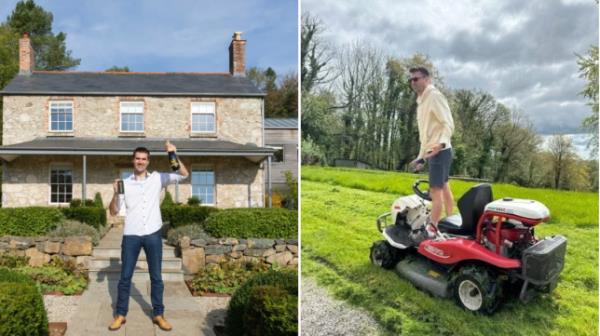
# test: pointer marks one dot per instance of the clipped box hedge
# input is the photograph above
(29, 221)
(253, 223)
(21, 306)
(266, 304)
(180, 215)
(93, 216)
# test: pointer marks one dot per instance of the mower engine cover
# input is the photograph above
(413, 208)
(525, 208)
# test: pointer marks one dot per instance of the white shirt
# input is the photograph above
(142, 202)
(434, 119)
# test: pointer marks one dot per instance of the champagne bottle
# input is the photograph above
(173, 161)
(121, 187)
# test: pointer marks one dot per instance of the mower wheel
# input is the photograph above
(477, 290)
(384, 255)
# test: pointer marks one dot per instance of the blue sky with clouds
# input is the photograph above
(176, 35)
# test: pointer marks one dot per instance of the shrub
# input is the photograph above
(194, 200)
(10, 261)
(98, 201)
(226, 277)
(70, 228)
(179, 215)
(21, 306)
(271, 311)
(29, 221)
(93, 216)
(76, 203)
(253, 222)
(291, 199)
(167, 201)
(53, 278)
(286, 280)
(192, 231)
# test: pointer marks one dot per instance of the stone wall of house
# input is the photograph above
(41, 249)
(197, 253)
(26, 181)
(238, 120)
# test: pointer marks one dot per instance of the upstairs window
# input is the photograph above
(132, 116)
(203, 117)
(61, 116)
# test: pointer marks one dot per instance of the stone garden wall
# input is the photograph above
(197, 253)
(41, 249)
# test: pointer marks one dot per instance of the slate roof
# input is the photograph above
(132, 83)
(275, 123)
(125, 146)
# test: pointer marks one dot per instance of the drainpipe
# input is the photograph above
(84, 180)
(269, 181)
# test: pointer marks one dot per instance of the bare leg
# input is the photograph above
(436, 205)
(448, 199)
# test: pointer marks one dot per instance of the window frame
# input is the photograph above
(278, 147)
(214, 185)
(143, 103)
(213, 113)
(60, 166)
(52, 102)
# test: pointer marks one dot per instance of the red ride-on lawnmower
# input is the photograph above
(477, 256)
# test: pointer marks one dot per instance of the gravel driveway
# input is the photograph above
(323, 315)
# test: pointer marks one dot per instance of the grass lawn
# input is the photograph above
(339, 208)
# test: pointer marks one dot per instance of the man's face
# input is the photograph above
(418, 82)
(140, 162)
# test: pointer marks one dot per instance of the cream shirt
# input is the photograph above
(434, 119)
(142, 202)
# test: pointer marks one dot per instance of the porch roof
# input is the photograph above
(125, 147)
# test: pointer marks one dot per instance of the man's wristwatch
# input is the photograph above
(443, 145)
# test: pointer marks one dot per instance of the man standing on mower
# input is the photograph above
(436, 126)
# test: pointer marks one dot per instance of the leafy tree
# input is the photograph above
(115, 68)
(50, 50)
(588, 69)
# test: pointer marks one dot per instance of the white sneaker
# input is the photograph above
(431, 230)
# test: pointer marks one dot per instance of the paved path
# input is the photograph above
(189, 315)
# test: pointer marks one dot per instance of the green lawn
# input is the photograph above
(339, 208)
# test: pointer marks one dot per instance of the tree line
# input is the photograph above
(357, 104)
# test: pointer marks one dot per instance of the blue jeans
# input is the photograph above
(130, 250)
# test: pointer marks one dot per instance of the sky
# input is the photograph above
(176, 35)
(521, 52)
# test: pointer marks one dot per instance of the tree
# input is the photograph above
(115, 68)
(561, 151)
(314, 54)
(588, 69)
(50, 50)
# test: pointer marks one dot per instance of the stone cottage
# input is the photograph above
(70, 134)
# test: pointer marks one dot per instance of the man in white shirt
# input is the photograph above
(142, 230)
(436, 126)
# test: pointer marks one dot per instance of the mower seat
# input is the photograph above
(471, 206)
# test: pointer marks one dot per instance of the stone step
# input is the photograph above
(139, 274)
(115, 252)
(101, 262)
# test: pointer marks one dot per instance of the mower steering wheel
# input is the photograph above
(423, 194)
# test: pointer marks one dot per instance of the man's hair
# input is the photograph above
(422, 70)
(141, 150)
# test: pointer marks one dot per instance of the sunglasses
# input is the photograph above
(414, 79)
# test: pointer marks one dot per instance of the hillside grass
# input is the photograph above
(339, 208)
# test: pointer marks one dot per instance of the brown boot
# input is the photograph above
(162, 323)
(117, 323)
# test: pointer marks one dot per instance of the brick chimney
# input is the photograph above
(237, 55)
(26, 60)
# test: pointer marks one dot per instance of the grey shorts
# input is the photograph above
(439, 168)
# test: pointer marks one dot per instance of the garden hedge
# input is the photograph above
(253, 223)
(93, 216)
(29, 221)
(21, 306)
(276, 296)
(180, 215)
